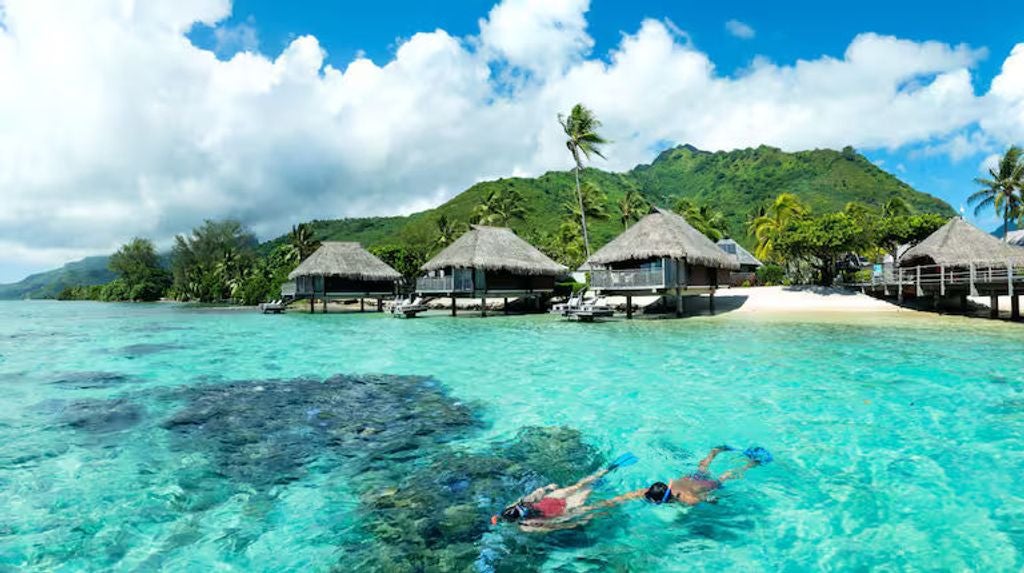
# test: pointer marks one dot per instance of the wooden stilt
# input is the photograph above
(899, 285)
(629, 306)
(963, 303)
(1014, 307)
(993, 301)
(711, 302)
(679, 303)
(483, 307)
(504, 305)
(380, 305)
(453, 307)
(362, 304)
(312, 309)
(323, 303)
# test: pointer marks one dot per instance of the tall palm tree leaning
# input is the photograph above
(1003, 189)
(580, 127)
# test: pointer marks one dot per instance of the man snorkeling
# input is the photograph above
(551, 507)
(693, 488)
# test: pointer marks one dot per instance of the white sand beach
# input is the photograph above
(799, 299)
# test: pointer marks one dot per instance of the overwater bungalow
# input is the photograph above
(489, 262)
(663, 255)
(343, 270)
(748, 262)
(960, 260)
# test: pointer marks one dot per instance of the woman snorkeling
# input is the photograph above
(552, 507)
(693, 488)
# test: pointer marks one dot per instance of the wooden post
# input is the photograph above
(312, 301)
(899, 285)
(1014, 307)
(504, 305)
(453, 306)
(483, 307)
(917, 280)
(973, 288)
(1009, 279)
(380, 305)
(711, 301)
(323, 303)
(679, 303)
(963, 303)
(629, 306)
(942, 280)
(993, 301)
(362, 304)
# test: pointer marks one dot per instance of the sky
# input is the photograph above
(123, 118)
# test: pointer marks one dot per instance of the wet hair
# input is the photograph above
(657, 493)
(516, 511)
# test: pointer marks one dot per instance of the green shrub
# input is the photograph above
(771, 274)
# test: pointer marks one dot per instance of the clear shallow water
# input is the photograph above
(155, 436)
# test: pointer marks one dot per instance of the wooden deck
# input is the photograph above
(945, 284)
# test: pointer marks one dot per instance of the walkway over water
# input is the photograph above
(945, 284)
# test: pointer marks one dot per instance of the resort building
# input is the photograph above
(341, 270)
(960, 260)
(661, 254)
(748, 262)
(489, 262)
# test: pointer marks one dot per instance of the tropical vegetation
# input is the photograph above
(1003, 189)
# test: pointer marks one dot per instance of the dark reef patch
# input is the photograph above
(102, 416)
(135, 350)
(90, 380)
(424, 503)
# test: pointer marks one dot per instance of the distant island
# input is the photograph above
(731, 184)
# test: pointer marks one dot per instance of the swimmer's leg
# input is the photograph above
(737, 474)
(703, 465)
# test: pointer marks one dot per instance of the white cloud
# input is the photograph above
(112, 124)
(241, 37)
(740, 29)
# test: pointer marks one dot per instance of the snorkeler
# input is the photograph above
(548, 507)
(694, 488)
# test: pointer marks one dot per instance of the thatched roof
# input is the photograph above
(664, 234)
(958, 244)
(742, 255)
(494, 249)
(347, 260)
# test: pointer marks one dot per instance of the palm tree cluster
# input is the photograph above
(1003, 189)
(703, 218)
(768, 223)
(500, 207)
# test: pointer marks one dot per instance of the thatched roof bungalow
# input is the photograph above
(489, 261)
(343, 270)
(959, 244)
(748, 262)
(660, 254)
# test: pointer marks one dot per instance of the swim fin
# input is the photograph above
(626, 459)
(759, 455)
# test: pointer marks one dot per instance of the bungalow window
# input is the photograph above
(651, 265)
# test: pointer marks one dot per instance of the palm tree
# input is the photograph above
(1003, 189)
(447, 231)
(896, 207)
(632, 207)
(767, 228)
(301, 243)
(583, 141)
(595, 203)
(500, 207)
(703, 218)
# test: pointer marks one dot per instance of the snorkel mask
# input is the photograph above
(512, 513)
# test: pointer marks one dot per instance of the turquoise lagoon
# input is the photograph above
(164, 437)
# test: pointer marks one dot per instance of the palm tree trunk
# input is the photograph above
(1006, 222)
(583, 213)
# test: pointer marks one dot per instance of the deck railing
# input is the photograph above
(938, 278)
(627, 279)
(461, 282)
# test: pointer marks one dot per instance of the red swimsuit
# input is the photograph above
(550, 506)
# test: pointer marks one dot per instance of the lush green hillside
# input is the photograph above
(734, 182)
(88, 271)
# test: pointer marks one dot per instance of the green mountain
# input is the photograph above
(48, 284)
(734, 182)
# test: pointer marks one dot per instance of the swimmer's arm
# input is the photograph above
(613, 501)
(538, 493)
